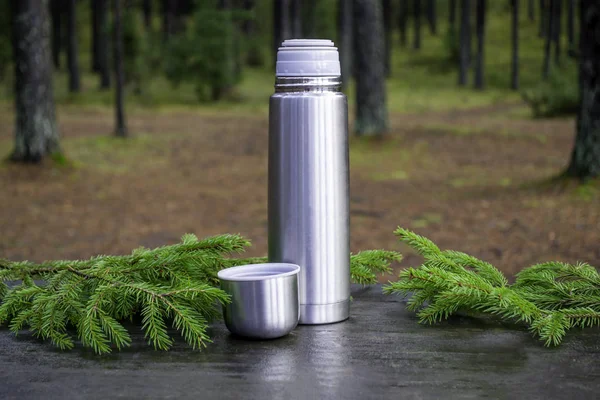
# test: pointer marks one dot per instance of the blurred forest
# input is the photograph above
(475, 101)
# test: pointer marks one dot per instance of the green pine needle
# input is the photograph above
(550, 298)
(365, 265)
(424, 246)
(174, 285)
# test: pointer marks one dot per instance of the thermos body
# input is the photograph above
(309, 192)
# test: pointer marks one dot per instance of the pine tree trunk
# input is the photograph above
(402, 21)
(254, 52)
(345, 23)
(432, 17)
(465, 41)
(95, 34)
(514, 82)
(571, 26)
(281, 24)
(309, 18)
(531, 10)
(147, 9)
(557, 30)
(236, 48)
(451, 15)
(480, 31)
(296, 18)
(120, 125)
(543, 18)
(371, 111)
(417, 19)
(549, 31)
(36, 132)
(248, 26)
(57, 32)
(103, 41)
(233, 66)
(169, 9)
(585, 159)
(387, 28)
(72, 53)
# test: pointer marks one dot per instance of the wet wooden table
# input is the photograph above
(381, 352)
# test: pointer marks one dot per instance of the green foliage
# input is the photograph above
(452, 45)
(204, 54)
(365, 265)
(171, 285)
(550, 298)
(135, 50)
(557, 96)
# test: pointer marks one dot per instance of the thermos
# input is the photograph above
(309, 177)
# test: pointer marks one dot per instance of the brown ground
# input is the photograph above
(475, 181)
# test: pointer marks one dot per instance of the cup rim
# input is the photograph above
(259, 272)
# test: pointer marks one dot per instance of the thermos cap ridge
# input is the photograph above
(307, 57)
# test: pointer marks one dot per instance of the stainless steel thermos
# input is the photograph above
(309, 177)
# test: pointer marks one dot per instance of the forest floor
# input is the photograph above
(477, 180)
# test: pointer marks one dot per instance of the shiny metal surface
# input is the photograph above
(309, 192)
(308, 84)
(264, 299)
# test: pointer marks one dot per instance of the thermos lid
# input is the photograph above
(307, 57)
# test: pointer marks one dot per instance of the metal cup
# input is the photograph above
(264, 299)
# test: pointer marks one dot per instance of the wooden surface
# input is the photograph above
(381, 352)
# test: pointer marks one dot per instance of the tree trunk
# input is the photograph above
(402, 20)
(531, 10)
(281, 24)
(103, 40)
(345, 22)
(248, 26)
(95, 34)
(585, 159)
(387, 29)
(549, 30)
(254, 50)
(557, 30)
(36, 133)
(514, 82)
(417, 18)
(371, 110)
(169, 11)
(543, 18)
(465, 41)
(432, 17)
(120, 125)
(233, 65)
(57, 32)
(72, 54)
(452, 14)
(147, 9)
(571, 26)
(296, 18)
(309, 18)
(480, 31)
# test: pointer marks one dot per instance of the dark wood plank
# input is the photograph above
(381, 351)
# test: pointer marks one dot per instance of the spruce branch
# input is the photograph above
(365, 265)
(550, 298)
(174, 285)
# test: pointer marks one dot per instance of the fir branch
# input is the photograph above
(365, 265)
(422, 245)
(175, 284)
(550, 298)
(484, 269)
